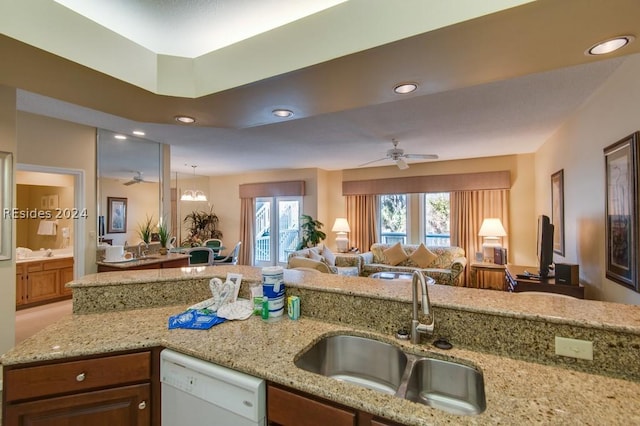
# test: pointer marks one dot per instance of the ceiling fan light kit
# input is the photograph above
(137, 178)
(398, 156)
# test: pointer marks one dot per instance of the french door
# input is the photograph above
(277, 229)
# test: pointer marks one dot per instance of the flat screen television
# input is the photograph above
(544, 245)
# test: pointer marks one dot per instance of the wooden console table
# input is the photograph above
(484, 267)
(545, 285)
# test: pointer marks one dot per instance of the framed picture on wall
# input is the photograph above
(621, 174)
(557, 211)
(116, 215)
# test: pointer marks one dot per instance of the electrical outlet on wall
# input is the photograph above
(574, 348)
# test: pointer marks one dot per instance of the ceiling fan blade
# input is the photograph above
(131, 182)
(402, 165)
(374, 161)
(422, 156)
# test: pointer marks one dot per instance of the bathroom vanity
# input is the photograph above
(42, 280)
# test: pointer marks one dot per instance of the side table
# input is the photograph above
(487, 267)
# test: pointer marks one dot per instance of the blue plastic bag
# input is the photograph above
(195, 319)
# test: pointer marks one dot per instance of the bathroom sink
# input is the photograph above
(445, 385)
(366, 362)
(452, 387)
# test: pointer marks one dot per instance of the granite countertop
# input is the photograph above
(517, 392)
(44, 258)
(149, 260)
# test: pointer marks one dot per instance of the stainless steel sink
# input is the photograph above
(445, 385)
(361, 361)
(449, 386)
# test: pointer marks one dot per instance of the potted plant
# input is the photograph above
(311, 233)
(144, 230)
(202, 226)
(164, 235)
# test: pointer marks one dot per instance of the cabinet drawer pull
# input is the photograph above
(142, 405)
(80, 377)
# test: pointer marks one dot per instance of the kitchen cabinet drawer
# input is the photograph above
(73, 376)
(33, 266)
(287, 408)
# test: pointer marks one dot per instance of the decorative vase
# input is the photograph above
(163, 250)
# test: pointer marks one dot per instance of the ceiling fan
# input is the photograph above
(397, 154)
(137, 178)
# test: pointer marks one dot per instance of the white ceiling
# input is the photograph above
(487, 115)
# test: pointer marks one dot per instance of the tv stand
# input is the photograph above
(519, 279)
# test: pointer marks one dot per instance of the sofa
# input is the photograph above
(322, 259)
(444, 264)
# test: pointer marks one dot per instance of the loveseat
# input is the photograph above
(444, 264)
(322, 259)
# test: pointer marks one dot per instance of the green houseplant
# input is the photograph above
(144, 229)
(164, 235)
(311, 233)
(202, 225)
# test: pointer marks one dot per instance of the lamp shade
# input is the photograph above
(341, 225)
(492, 227)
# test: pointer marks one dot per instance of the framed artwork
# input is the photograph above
(116, 215)
(621, 174)
(6, 199)
(52, 202)
(557, 211)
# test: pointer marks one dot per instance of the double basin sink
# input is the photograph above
(445, 385)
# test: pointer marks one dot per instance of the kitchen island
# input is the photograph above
(518, 390)
(154, 261)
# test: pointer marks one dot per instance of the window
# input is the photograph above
(277, 229)
(393, 218)
(428, 215)
(437, 219)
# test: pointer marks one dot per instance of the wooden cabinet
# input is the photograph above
(288, 407)
(112, 390)
(43, 281)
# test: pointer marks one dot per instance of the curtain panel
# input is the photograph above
(247, 232)
(468, 210)
(362, 216)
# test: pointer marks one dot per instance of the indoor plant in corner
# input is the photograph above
(202, 226)
(311, 233)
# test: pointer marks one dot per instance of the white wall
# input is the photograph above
(609, 115)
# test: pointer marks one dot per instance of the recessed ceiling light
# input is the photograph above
(404, 88)
(283, 113)
(121, 137)
(611, 45)
(185, 119)
(138, 133)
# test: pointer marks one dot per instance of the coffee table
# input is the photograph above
(399, 276)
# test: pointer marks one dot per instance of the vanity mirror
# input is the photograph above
(128, 168)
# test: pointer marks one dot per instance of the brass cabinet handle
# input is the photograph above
(80, 377)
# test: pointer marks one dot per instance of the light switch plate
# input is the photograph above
(574, 348)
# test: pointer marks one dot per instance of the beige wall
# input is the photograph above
(142, 201)
(49, 142)
(29, 197)
(609, 115)
(8, 143)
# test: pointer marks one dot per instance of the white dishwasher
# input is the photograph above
(201, 393)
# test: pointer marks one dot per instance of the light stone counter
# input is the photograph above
(500, 333)
(517, 392)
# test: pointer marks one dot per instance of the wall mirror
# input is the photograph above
(6, 173)
(131, 169)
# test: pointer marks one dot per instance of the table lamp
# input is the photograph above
(492, 230)
(341, 227)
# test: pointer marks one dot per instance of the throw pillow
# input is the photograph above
(395, 254)
(313, 255)
(423, 257)
(329, 257)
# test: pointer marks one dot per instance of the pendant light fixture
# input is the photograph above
(193, 194)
